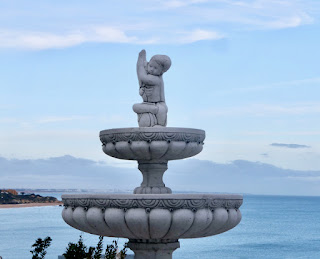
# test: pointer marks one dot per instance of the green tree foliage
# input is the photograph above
(98, 249)
(40, 247)
(80, 251)
(123, 251)
(112, 250)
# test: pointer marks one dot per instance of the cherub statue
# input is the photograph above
(153, 111)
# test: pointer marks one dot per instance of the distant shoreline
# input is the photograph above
(27, 205)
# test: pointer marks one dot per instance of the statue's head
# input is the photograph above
(158, 64)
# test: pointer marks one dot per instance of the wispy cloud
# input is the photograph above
(289, 145)
(305, 178)
(179, 4)
(265, 110)
(8, 120)
(61, 121)
(286, 22)
(291, 83)
(244, 15)
(199, 35)
(53, 119)
(162, 22)
(291, 133)
(272, 14)
(46, 40)
(98, 34)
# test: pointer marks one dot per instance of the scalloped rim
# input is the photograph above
(151, 201)
(152, 130)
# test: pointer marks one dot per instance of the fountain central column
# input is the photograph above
(154, 250)
(152, 178)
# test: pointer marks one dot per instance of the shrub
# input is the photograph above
(98, 250)
(40, 247)
(78, 250)
(111, 251)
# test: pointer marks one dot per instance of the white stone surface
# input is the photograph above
(153, 111)
(149, 250)
(161, 217)
(152, 144)
(152, 218)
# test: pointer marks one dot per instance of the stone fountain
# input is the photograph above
(153, 219)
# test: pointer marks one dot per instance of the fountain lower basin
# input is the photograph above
(161, 218)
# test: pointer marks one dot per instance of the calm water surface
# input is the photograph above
(271, 227)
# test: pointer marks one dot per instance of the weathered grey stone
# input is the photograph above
(168, 134)
(151, 216)
(153, 111)
(152, 148)
(152, 178)
(143, 250)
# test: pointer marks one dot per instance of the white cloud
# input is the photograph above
(306, 179)
(161, 22)
(251, 15)
(179, 4)
(285, 133)
(291, 83)
(51, 119)
(266, 110)
(299, 109)
(287, 22)
(45, 40)
(198, 35)
(8, 120)
(285, 145)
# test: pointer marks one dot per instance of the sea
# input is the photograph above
(271, 227)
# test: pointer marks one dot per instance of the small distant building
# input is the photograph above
(12, 191)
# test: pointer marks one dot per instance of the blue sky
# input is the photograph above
(247, 72)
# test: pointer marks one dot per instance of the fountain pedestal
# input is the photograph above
(151, 250)
(152, 178)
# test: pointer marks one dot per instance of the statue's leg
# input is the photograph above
(147, 119)
(162, 113)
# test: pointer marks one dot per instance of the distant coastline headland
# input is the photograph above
(10, 198)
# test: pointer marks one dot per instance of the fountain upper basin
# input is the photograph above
(152, 143)
(152, 216)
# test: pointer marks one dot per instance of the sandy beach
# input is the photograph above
(26, 205)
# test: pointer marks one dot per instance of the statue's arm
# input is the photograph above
(141, 61)
(143, 77)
